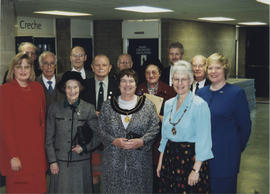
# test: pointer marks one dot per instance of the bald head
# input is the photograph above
(77, 57)
(198, 66)
(124, 62)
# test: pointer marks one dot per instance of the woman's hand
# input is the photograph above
(16, 164)
(78, 149)
(193, 178)
(120, 142)
(159, 164)
(54, 168)
(128, 143)
(133, 143)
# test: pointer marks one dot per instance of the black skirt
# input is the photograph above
(178, 161)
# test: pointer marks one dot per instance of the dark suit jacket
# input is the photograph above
(89, 94)
(165, 75)
(206, 83)
(55, 96)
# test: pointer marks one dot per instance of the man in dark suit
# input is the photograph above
(101, 67)
(48, 79)
(99, 88)
(176, 52)
(198, 63)
(77, 59)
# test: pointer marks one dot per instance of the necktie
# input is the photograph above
(50, 87)
(197, 87)
(100, 96)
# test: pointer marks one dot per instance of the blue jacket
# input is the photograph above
(231, 127)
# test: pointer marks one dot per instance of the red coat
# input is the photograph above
(22, 128)
(164, 91)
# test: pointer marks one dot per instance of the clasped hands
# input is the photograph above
(128, 144)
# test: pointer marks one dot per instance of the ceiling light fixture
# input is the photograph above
(252, 23)
(63, 13)
(144, 9)
(218, 19)
(264, 1)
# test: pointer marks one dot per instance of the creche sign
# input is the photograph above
(30, 26)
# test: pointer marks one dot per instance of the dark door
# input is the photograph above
(142, 50)
(257, 58)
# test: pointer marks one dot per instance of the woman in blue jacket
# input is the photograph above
(231, 125)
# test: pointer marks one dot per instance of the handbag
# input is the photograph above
(84, 135)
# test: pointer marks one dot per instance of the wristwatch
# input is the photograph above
(196, 171)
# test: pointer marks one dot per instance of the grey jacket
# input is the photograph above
(59, 131)
(127, 171)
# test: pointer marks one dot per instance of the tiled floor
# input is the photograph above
(254, 173)
(254, 170)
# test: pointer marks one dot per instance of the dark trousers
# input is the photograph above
(223, 185)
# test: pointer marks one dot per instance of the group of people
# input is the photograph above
(98, 132)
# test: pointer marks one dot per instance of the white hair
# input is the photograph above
(183, 67)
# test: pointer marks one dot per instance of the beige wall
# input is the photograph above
(199, 38)
(7, 34)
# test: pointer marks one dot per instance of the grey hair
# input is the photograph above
(44, 54)
(183, 67)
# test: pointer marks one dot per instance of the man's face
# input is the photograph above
(174, 55)
(124, 62)
(198, 67)
(77, 58)
(101, 67)
(48, 66)
(30, 51)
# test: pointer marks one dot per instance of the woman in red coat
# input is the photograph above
(22, 119)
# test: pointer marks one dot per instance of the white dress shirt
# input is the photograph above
(82, 71)
(45, 81)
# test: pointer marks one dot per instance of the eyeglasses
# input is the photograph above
(49, 64)
(124, 62)
(131, 81)
(77, 55)
(184, 80)
(154, 73)
(198, 66)
(20, 67)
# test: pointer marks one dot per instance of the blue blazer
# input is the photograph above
(231, 127)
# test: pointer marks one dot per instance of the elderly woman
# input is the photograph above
(69, 157)
(153, 85)
(22, 129)
(128, 125)
(158, 88)
(231, 125)
(186, 142)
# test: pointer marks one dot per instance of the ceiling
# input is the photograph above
(241, 10)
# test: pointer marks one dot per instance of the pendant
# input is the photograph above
(127, 119)
(173, 131)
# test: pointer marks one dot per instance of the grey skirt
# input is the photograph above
(74, 178)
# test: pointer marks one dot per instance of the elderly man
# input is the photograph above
(31, 50)
(124, 61)
(198, 66)
(77, 59)
(48, 79)
(99, 89)
(176, 52)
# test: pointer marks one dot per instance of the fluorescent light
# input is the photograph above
(63, 13)
(144, 9)
(219, 19)
(264, 1)
(252, 23)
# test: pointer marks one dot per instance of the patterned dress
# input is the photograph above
(127, 171)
